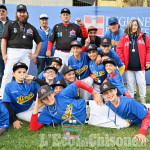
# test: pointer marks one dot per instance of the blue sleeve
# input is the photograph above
(70, 91)
(45, 117)
(138, 109)
(99, 51)
(6, 96)
(107, 33)
(40, 76)
(116, 57)
(69, 61)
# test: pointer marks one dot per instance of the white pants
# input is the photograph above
(14, 55)
(140, 78)
(83, 93)
(99, 117)
(96, 87)
(26, 115)
(64, 56)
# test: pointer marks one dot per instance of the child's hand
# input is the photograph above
(87, 41)
(104, 58)
(94, 77)
(141, 137)
(98, 59)
(17, 124)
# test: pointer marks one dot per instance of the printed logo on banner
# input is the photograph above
(96, 21)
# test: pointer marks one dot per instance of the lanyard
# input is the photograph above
(24, 29)
(115, 113)
(133, 40)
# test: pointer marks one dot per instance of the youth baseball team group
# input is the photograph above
(75, 78)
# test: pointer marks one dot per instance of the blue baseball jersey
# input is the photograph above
(66, 106)
(82, 65)
(58, 77)
(20, 96)
(98, 70)
(112, 54)
(4, 116)
(114, 38)
(116, 80)
(129, 109)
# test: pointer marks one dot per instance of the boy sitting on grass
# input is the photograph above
(127, 108)
(114, 76)
(19, 96)
(107, 52)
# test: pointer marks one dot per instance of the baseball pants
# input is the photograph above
(26, 115)
(64, 56)
(99, 117)
(14, 55)
(83, 93)
(140, 78)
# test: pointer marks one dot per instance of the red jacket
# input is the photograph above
(143, 48)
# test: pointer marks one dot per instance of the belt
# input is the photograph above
(66, 51)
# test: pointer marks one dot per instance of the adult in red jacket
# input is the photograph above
(134, 52)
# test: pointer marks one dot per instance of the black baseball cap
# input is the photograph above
(59, 83)
(21, 7)
(106, 86)
(19, 65)
(110, 60)
(76, 43)
(65, 10)
(44, 91)
(3, 7)
(57, 59)
(50, 67)
(105, 41)
(67, 69)
(92, 28)
(91, 47)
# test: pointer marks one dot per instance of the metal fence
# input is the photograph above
(119, 3)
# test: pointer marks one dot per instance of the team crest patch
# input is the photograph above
(30, 32)
(105, 86)
(15, 30)
(72, 33)
(112, 19)
(58, 82)
(70, 68)
(105, 40)
(18, 64)
(90, 46)
(43, 91)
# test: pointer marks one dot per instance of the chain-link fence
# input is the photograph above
(119, 3)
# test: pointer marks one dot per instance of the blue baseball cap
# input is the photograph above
(112, 20)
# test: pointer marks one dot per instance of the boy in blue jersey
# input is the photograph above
(127, 108)
(57, 63)
(19, 96)
(58, 86)
(4, 118)
(61, 106)
(107, 52)
(98, 71)
(114, 76)
(114, 32)
(80, 61)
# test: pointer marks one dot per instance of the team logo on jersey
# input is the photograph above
(30, 32)
(72, 33)
(96, 21)
(43, 91)
(23, 99)
(15, 30)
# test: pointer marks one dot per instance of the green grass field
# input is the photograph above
(92, 138)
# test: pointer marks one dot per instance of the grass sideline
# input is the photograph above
(92, 138)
